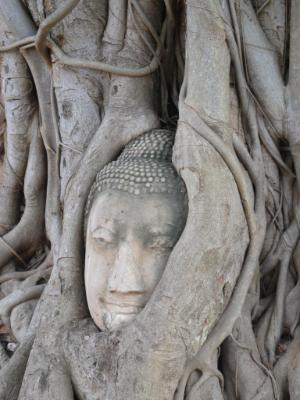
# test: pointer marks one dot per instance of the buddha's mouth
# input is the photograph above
(123, 308)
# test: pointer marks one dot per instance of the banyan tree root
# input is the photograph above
(4, 358)
(22, 27)
(202, 362)
(244, 373)
(17, 307)
(114, 132)
(17, 297)
(255, 217)
(19, 105)
(68, 256)
(48, 24)
(286, 367)
(28, 234)
(262, 128)
(13, 371)
(20, 275)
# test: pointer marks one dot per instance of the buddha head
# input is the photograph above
(135, 214)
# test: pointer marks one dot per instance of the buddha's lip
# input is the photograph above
(124, 308)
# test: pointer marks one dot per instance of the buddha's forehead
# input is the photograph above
(156, 211)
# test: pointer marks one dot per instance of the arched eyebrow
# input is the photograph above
(166, 230)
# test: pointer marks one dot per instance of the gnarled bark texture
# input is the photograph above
(79, 80)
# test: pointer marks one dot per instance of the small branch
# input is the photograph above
(245, 158)
(267, 84)
(146, 22)
(99, 66)
(169, 10)
(48, 24)
(62, 58)
(282, 257)
(287, 242)
(16, 275)
(262, 7)
(17, 297)
(35, 278)
(25, 274)
(235, 24)
(271, 147)
(18, 44)
(13, 251)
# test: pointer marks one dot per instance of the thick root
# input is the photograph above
(28, 234)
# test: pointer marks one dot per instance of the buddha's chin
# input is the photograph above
(113, 321)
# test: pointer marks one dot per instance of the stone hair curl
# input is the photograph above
(144, 167)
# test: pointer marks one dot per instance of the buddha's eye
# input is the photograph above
(162, 243)
(104, 237)
(103, 241)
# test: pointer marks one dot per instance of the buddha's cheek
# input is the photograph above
(153, 267)
(95, 276)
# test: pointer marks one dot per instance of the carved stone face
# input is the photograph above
(129, 240)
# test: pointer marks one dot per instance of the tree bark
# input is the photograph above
(79, 80)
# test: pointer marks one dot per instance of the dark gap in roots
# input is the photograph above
(269, 283)
(75, 395)
(41, 281)
(220, 360)
(5, 342)
(173, 115)
(285, 340)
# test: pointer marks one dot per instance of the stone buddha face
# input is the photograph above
(128, 243)
(136, 213)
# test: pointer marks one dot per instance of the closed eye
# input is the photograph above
(103, 236)
(103, 241)
(161, 242)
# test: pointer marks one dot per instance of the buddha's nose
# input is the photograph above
(125, 275)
